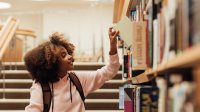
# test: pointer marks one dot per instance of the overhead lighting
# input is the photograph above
(92, 0)
(41, 0)
(4, 5)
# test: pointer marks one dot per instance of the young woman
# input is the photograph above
(52, 62)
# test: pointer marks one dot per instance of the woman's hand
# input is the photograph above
(113, 41)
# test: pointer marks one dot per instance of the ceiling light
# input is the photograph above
(92, 0)
(41, 0)
(4, 5)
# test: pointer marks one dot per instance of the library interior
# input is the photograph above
(158, 52)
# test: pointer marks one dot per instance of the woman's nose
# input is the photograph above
(71, 57)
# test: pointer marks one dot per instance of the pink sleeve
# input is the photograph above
(94, 80)
(36, 99)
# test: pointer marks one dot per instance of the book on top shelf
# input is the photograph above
(134, 35)
(125, 30)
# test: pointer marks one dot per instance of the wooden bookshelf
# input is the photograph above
(181, 71)
(122, 8)
(187, 59)
(118, 7)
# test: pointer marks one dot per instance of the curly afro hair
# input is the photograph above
(42, 61)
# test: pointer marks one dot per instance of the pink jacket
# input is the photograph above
(90, 81)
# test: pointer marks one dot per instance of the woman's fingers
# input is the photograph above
(113, 33)
(116, 34)
(110, 31)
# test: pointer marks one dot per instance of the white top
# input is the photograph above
(62, 102)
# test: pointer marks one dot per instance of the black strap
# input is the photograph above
(46, 96)
(78, 85)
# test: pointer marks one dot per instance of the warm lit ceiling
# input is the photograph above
(36, 5)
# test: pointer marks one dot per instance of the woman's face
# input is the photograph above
(66, 61)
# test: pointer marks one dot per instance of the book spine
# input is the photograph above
(139, 49)
(129, 99)
(125, 74)
(149, 99)
(137, 98)
(150, 37)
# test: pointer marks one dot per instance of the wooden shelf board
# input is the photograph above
(118, 7)
(188, 58)
(122, 8)
(126, 7)
(142, 78)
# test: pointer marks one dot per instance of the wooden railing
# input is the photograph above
(11, 39)
(7, 34)
(9, 44)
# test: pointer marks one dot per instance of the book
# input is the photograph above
(137, 98)
(139, 43)
(129, 98)
(150, 34)
(149, 96)
(155, 43)
(125, 67)
(134, 34)
(121, 97)
(141, 99)
(124, 26)
(194, 21)
(162, 85)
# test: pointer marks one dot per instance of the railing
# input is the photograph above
(11, 38)
(6, 33)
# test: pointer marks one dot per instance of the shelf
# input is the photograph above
(118, 7)
(189, 58)
(122, 8)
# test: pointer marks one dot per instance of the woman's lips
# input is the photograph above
(71, 63)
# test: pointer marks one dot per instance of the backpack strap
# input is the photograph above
(75, 80)
(46, 90)
(47, 95)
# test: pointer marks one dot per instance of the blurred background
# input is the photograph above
(84, 22)
(24, 24)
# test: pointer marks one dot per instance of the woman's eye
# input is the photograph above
(63, 54)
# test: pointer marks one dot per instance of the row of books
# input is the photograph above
(156, 31)
(195, 25)
(138, 12)
(173, 95)
(140, 99)
(178, 96)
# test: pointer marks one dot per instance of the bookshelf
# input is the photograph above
(122, 8)
(183, 51)
(189, 58)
